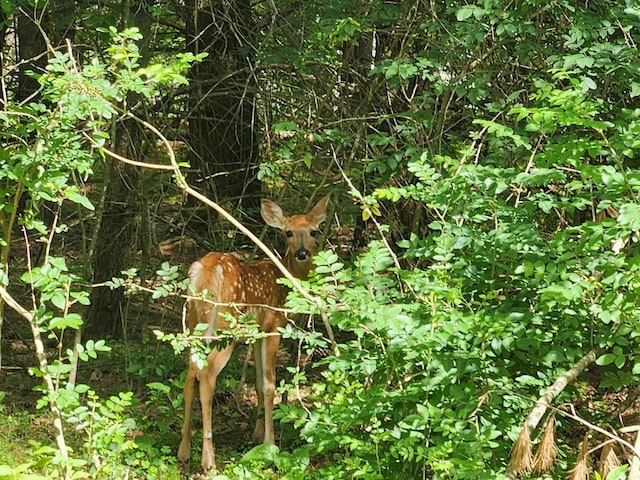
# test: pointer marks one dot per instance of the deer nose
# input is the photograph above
(302, 254)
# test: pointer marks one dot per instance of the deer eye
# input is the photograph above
(289, 233)
(313, 233)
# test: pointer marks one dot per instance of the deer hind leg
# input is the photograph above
(184, 451)
(265, 351)
(258, 431)
(216, 361)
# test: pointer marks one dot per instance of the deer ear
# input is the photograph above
(318, 211)
(272, 214)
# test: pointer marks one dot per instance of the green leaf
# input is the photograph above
(72, 320)
(261, 453)
(285, 127)
(307, 159)
(59, 263)
(59, 299)
(588, 83)
(160, 387)
(606, 359)
(81, 199)
(629, 215)
(467, 11)
(296, 462)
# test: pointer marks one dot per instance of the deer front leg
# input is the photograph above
(269, 386)
(216, 361)
(184, 451)
(266, 350)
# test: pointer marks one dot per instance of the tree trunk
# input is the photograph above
(113, 248)
(31, 50)
(115, 236)
(222, 119)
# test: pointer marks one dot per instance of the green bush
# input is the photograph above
(457, 332)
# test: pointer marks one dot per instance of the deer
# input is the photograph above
(249, 288)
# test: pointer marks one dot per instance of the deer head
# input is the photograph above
(300, 231)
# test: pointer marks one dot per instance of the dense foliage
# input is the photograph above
(490, 153)
(517, 151)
